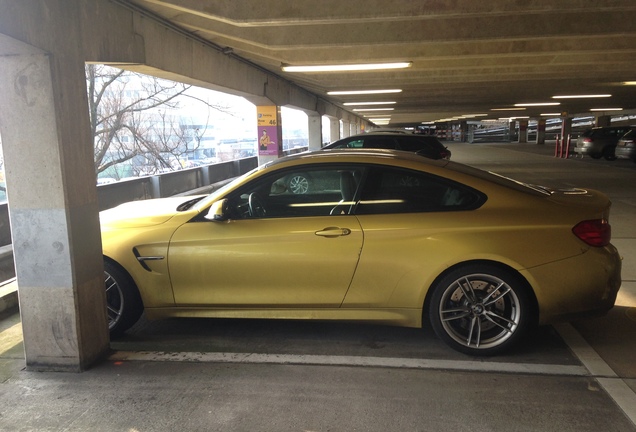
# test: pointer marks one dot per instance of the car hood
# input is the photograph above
(141, 213)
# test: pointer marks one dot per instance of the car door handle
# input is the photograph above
(333, 232)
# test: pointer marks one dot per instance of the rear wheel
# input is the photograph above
(124, 305)
(480, 309)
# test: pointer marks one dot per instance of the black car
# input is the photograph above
(424, 145)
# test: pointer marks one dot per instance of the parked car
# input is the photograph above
(403, 240)
(600, 141)
(423, 145)
(427, 146)
(626, 147)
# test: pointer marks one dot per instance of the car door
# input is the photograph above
(403, 212)
(288, 250)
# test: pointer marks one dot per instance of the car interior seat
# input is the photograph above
(348, 188)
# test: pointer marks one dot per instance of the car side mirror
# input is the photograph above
(218, 211)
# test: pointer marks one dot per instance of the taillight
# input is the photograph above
(597, 232)
(587, 140)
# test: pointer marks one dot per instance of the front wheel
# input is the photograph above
(123, 303)
(480, 309)
(299, 184)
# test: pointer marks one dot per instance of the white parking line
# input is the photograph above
(384, 362)
(615, 387)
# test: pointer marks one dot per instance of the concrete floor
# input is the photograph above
(257, 375)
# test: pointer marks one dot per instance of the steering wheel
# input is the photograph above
(255, 206)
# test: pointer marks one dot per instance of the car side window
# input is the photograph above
(358, 143)
(380, 143)
(391, 190)
(310, 192)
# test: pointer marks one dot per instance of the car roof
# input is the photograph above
(380, 132)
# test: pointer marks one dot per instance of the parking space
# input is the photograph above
(223, 374)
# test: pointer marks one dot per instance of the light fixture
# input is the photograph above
(379, 119)
(508, 109)
(467, 116)
(537, 104)
(606, 109)
(629, 83)
(374, 109)
(582, 96)
(550, 114)
(363, 92)
(346, 67)
(369, 103)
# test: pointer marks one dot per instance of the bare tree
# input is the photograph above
(135, 116)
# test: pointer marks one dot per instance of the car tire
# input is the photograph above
(123, 302)
(298, 184)
(481, 309)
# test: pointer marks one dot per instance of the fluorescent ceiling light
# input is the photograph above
(582, 96)
(380, 119)
(507, 109)
(363, 92)
(374, 109)
(551, 114)
(630, 83)
(474, 115)
(537, 104)
(346, 67)
(369, 103)
(606, 109)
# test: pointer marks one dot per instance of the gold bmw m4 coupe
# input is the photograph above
(373, 235)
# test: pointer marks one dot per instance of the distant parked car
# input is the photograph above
(427, 146)
(626, 147)
(600, 141)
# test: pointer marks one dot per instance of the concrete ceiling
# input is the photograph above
(468, 57)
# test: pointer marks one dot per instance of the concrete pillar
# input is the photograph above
(523, 131)
(566, 127)
(540, 131)
(334, 129)
(270, 133)
(346, 128)
(603, 121)
(463, 131)
(315, 131)
(53, 207)
(512, 130)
